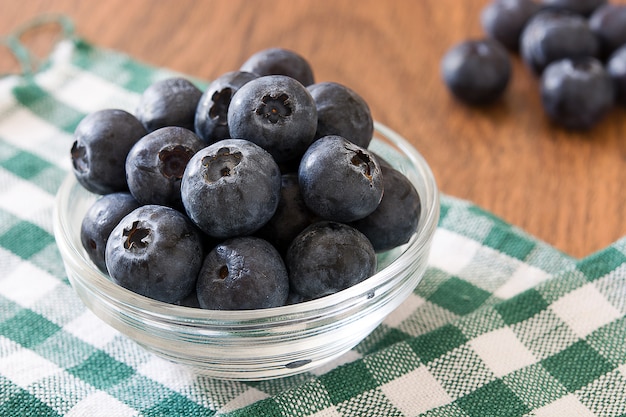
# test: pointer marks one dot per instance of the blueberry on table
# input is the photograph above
(504, 20)
(582, 7)
(328, 257)
(616, 66)
(279, 61)
(555, 34)
(155, 251)
(342, 112)
(291, 217)
(231, 188)
(169, 102)
(396, 218)
(608, 23)
(102, 141)
(211, 119)
(576, 93)
(277, 113)
(155, 165)
(477, 72)
(243, 273)
(339, 180)
(100, 219)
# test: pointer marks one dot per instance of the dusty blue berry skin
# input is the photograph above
(169, 102)
(328, 257)
(280, 61)
(155, 251)
(477, 72)
(504, 20)
(291, 217)
(102, 141)
(341, 111)
(339, 180)
(277, 113)
(231, 188)
(243, 273)
(100, 219)
(396, 218)
(576, 93)
(582, 7)
(554, 34)
(608, 23)
(155, 165)
(616, 66)
(211, 120)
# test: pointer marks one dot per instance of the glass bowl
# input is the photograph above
(257, 344)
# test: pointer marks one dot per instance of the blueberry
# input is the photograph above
(155, 165)
(477, 72)
(339, 180)
(616, 66)
(277, 113)
(279, 61)
(231, 188)
(551, 35)
(155, 251)
(100, 219)
(102, 141)
(576, 93)
(191, 300)
(328, 257)
(396, 218)
(342, 112)
(608, 23)
(582, 7)
(211, 120)
(504, 20)
(169, 102)
(291, 217)
(243, 273)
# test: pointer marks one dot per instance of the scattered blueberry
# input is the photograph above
(155, 251)
(100, 219)
(396, 218)
(328, 257)
(552, 34)
(616, 67)
(102, 141)
(279, 61)
(577, 93)
(339, 180)
(608, 23)
(477, 72)
(342, 112)
(231, 188)
(211, 120)
(277, 113)
(155, 165)
(504, 20)
(169, 102)
(582, 7)
(243, 273)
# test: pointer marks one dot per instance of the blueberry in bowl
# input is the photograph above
(264, 343)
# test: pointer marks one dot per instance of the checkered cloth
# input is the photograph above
(501, 325)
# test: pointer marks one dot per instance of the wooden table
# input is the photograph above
(562, 187)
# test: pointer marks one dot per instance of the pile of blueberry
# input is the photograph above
(577, 49)
(258, 192)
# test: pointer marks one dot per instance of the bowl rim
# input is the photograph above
(138, 305)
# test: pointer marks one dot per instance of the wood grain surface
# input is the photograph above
(565, 188)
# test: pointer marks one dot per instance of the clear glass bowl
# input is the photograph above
(256, 344)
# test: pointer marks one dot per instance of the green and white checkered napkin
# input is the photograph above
(501, 325)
